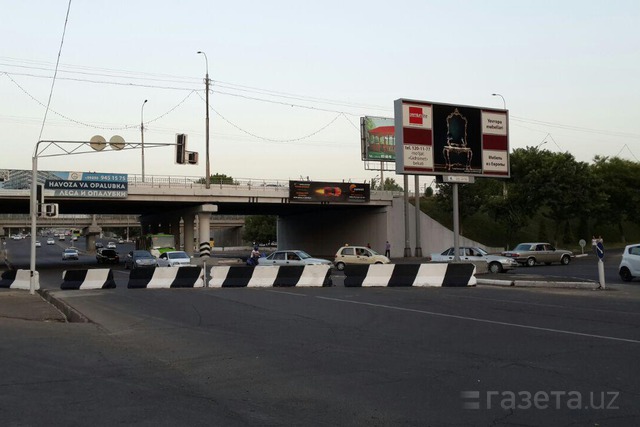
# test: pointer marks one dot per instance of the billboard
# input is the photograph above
(378, 140)
(344, 192)
(69, 184)
(444, 139)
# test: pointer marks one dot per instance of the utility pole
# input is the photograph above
(206, 85)
(142, 135)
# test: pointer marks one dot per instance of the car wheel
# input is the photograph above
(531, 262)
(565, 260)
(625, 274)
(495, 267)
(340, 266)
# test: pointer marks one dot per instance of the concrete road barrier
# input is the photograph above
(166, 277)
(19, 279)
(100, 278)
(395, 275)
(270, 276)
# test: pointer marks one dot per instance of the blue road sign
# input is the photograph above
(600, 250)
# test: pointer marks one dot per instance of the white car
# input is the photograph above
(630, 264)
(50, 241)
(358, 255)
(291, 257)
(70, 253)
(38, 244)
(111, 245)
(174, 259)
(495, 263)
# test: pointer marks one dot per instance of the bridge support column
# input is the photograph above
(204, 219)
(90, 233)
(188, 220)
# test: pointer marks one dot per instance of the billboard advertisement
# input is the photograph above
(378, 141)
(444, 139)
(69, 184)
(344, 192)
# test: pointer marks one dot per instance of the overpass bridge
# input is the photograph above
(164, 202)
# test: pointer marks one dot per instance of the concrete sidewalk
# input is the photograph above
(19, 304)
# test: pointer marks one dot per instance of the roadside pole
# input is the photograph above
(600, 253)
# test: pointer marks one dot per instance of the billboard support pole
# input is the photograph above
(456, 225)
(407, 244)
(381, 175)
(417, 202)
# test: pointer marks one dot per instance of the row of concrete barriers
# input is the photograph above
(391, 275)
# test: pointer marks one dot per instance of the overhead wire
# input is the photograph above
(53, 81)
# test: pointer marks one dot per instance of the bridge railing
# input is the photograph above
(198, 182)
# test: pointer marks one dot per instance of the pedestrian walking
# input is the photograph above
(387, 249)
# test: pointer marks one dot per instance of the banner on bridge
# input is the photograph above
(346, 192)
(69, 184)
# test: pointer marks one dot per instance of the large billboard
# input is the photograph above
(444, 139)
(378, 140)
(69, 184)
(312, 191)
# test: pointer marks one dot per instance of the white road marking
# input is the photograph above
(288, 293)
(493, 322)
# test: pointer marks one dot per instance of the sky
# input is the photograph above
(290, 80)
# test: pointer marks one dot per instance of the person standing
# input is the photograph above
(387, 249)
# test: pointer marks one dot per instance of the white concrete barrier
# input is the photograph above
(19, 279)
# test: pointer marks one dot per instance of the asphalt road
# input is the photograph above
(329, 356)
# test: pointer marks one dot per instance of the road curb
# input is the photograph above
(539, 284)
(72, 315)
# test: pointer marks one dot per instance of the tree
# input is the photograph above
(218, 179)
(260, 228)
(390, 184)
(617, 181)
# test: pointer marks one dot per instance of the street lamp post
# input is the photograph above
(142, 135)
(206, 84)
(504, 104)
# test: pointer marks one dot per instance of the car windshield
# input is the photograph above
(481, 251)
(142, 254)
(177, 255)
(303, 254)
(70, 251)
(108, 252)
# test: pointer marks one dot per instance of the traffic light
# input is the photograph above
(181, 148)
(39, 198)
(50, 210)
(192, 157)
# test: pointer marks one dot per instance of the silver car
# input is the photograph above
(495, 263)
(70, 253)
(530, 254)
(291, 257)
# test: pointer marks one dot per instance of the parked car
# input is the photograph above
(111, 245)
(70, 253)
(38, 244)
(358, 255)
(140, 259)
(530, 254)
(292, 257)
(630, 264)
(495, 263)
(107, 256)
(174, 259)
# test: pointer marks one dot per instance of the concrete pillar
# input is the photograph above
(204, 220)
(188, 220)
